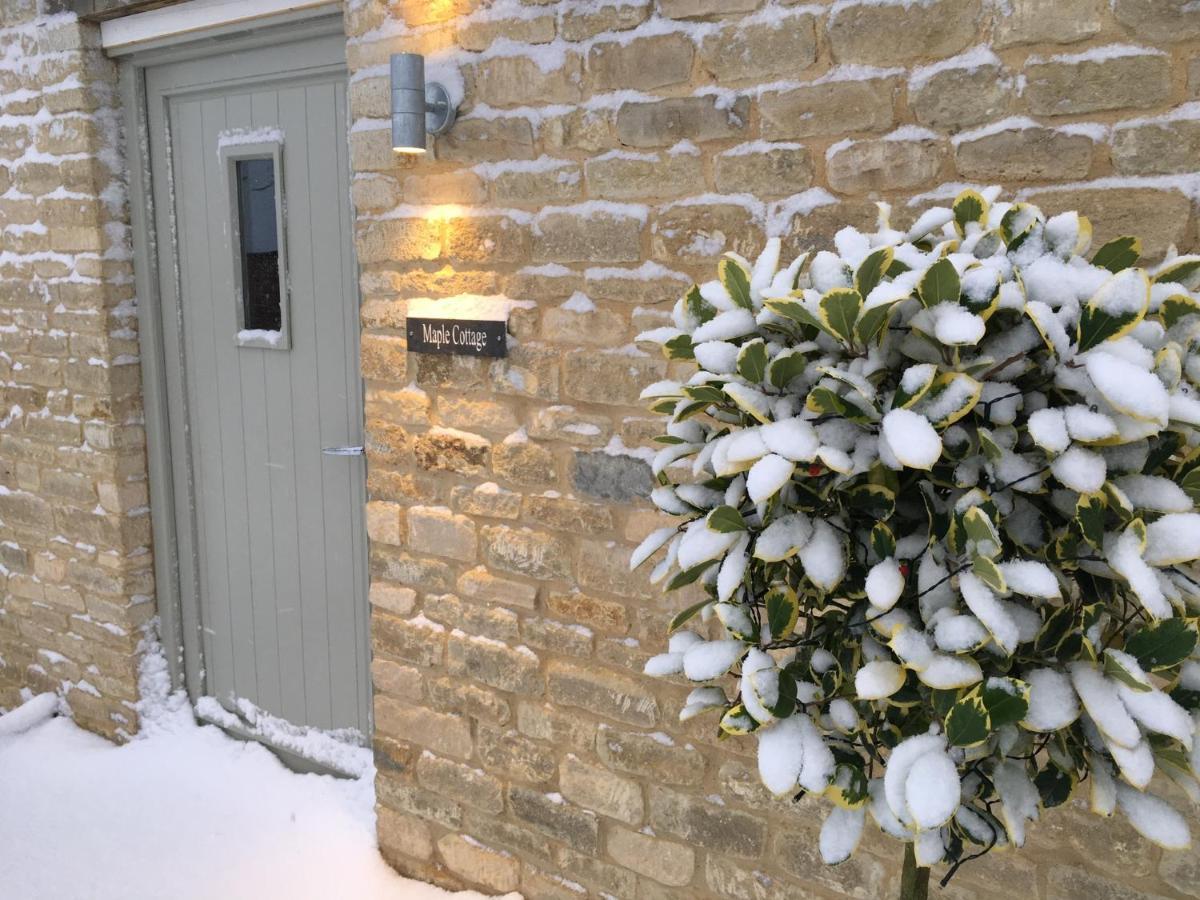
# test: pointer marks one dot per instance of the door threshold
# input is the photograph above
(329, 761)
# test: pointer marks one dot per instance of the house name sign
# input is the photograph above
(468, 326)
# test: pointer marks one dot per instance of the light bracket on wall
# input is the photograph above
(417, 108)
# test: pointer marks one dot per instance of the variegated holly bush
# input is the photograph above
(938, 489)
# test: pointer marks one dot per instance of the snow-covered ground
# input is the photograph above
(182, 811)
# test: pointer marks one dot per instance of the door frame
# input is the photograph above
(173, 521)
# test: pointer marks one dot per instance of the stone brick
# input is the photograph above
(1193, 78)
(418, 640)
(479, 584)
(523, 462)
(567, 514)
(612, 235)
(493, 663)
(520, 81)
(485, 239)
(383, 522)
(661, 123)
(621, 175)
(602, 691)
(389, 239)
(461, 783)
(530, 845)
(705, 824)
(603, 877)
(479, 864)
(765, 50)
(440, 732)
(610, 476)
(437, 531)
(515, 756)
(553, 816)
(1182, 870)
(566, 423)
(615, 378)
(526, 552)
(444, 187)
(401, 682)
(560, 727)
(640, 64)
(529, 370)
(576, 323)
(481, 415)
(1067, 882)
(1160, 217)
(449, 450)
(866, 167)
(604, 566)
(1159, 21)
(895, 35)
(603, 615)
(664, 861)
(956, 98)
(481, 140)
(601, 791)
(556, 637)
(479, 35)
(1066, 85)
(729, 879)
(771, 170)
(695, 9)
(1157, 148)
(552, 181)
(454, 695)
(406, 835)
(583, 23)
(1025, 154)
(392, 598)
(488, 499)
(494, 622)
(1047, 21)
(700, 232)
(654, 756)
(406, 406)
(861, 876)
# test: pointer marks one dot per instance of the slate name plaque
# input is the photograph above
(470, 337)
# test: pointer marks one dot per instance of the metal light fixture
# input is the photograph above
(417, 107)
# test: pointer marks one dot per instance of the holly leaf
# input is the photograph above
(752, 361)
(1006, 700)
(839, 311)
(967, 723)
(736, 281)
(940, 284)
(726, 519)
(1119, 253)
(783, 609)
(1163, 644)
(870, 272)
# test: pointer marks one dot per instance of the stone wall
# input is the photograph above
(606, 154)
(75, 566)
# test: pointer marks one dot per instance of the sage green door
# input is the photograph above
(256, 269)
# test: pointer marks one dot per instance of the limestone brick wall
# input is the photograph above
(75, 564)
(606, 154)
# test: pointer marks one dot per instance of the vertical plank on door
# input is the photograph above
(205, 392)
(354, 408)
(335, 396)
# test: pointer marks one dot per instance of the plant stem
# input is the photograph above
(914, 881)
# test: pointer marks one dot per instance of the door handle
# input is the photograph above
(343, 451)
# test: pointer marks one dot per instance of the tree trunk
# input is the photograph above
(914, 882)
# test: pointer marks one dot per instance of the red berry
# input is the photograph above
(904, 569)
(814, 469)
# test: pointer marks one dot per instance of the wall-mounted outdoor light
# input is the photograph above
(417, 107)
